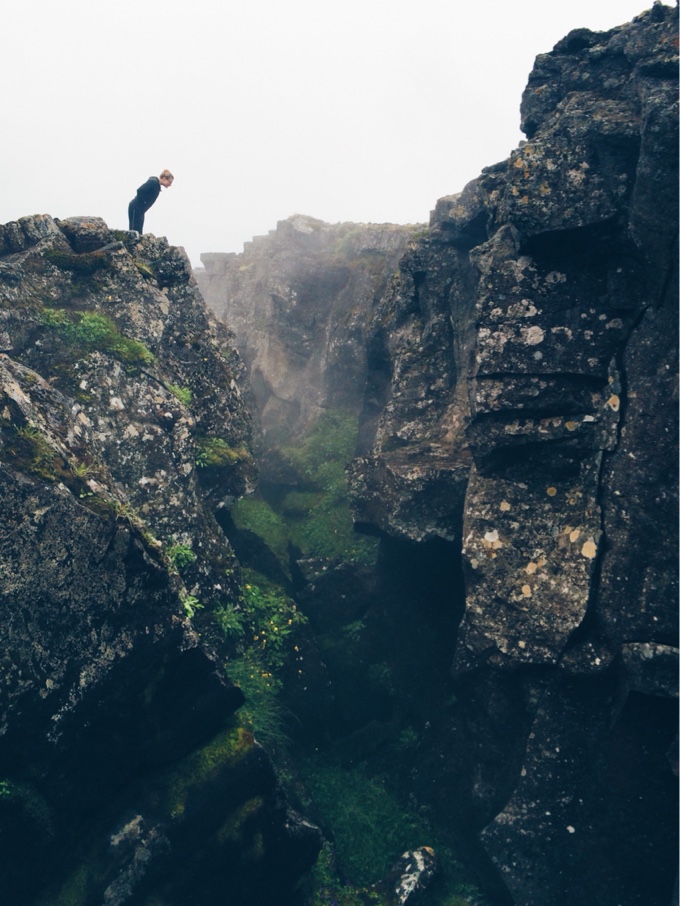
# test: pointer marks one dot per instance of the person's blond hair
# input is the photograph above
(166, 174)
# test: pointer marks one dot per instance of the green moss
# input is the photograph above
(215, 453)
(145, 269)
(84, 265)
(91, 330)
(232, 831)
(370, 827)
(324, 886)
(75, 890)
(172, 791)
(28, 450)
(255, 515)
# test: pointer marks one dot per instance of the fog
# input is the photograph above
(360, 110)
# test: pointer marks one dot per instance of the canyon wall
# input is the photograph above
(124, 777)
(519, 407)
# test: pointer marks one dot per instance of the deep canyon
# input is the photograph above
(359, 543)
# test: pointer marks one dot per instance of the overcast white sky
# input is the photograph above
(359, 110)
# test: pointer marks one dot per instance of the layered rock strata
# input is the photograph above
(529, 353)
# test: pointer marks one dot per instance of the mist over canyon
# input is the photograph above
(344, 570)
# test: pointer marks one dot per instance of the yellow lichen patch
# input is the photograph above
(589, 549)
(573, 536)
(531, 568)
(551, 491)
(526, 591)
(492, 541)
(571, 426)
(614, 402)
(505, 506)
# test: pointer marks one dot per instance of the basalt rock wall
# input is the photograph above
(520, 408)
(528, 359)
(123, 776)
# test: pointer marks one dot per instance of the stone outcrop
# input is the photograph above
(123, 775)
(298, 301)
(530, 364)
(520, 408)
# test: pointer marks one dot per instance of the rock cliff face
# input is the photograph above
(123, 777)
(536, 353)
(520, 404)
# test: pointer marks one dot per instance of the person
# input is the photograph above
(145, 197)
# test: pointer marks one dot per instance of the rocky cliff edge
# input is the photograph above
(122, 430)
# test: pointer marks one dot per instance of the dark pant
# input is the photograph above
(136, 218)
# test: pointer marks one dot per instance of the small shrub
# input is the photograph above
(231, 622)
(191, 604)
(262, 714)
(271, 618)
(180, 555)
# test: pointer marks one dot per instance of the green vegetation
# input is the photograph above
(326, 888)
(271, 619)
(370, 827)
(318, 520)
(167, 795)
(145, 269)
(180, 555)
(215, 453)
(183, 394)
(268, 623)
(92, 330)
(83, 265)
(191, 604)
(171, 792)
(263, 715)
(256, 515)
(30, 451)
(231, 622)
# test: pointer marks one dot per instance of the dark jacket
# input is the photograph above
(147, 194)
